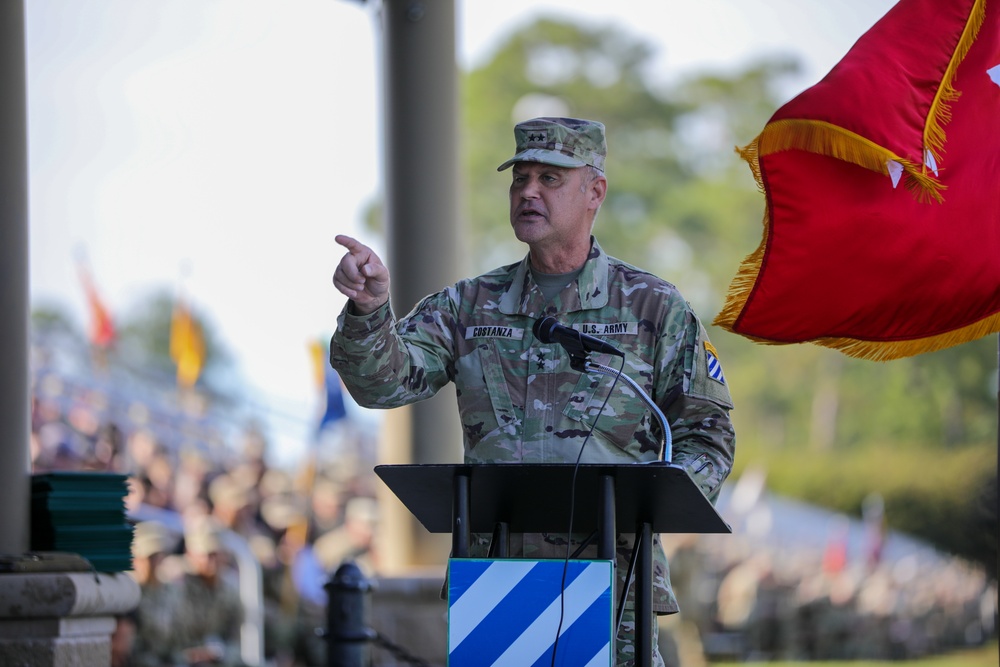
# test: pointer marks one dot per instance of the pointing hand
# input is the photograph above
(361, 276)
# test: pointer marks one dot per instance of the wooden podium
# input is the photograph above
(499, 498)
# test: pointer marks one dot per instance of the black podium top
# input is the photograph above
(535, 497)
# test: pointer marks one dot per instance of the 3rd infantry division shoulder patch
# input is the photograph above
(713, 363)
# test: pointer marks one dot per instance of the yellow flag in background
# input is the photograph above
(317, 353)
(187, 345)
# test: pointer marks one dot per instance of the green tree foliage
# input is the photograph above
(921, 431)
(144, 338)
(53, 319)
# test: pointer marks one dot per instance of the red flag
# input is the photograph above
(102, 327)
(849, 260)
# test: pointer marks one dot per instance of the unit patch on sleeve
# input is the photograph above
(493, 331)
(714, 366)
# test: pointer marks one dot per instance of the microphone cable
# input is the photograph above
(572, 506)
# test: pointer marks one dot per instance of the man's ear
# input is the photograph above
(598, 189)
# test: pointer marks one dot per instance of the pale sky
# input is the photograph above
(231, 140)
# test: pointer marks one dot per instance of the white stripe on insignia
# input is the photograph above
(608, 328)
(537, 638)
(601, 658)
(514, 333)
(482, 596)
(715, 368)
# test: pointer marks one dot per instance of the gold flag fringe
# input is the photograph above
(890, 350)
(750, 155)
(743, 282)
(940, 111)
(897, 349)
(822, 138)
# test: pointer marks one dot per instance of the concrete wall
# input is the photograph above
(409, 612)
(61, 619)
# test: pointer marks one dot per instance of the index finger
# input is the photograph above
(353, 245)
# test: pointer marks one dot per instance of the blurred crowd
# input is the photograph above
(745, 596)
(189, 497)
(743, 599)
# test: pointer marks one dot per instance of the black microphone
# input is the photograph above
(548, 330)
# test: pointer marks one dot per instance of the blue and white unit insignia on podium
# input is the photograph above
(505, 613)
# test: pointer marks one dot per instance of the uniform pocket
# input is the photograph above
(483, 399)
(625, 418)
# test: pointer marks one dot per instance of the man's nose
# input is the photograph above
(530, 188)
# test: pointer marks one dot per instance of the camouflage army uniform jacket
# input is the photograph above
(518, 399)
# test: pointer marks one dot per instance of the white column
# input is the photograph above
(421, 125)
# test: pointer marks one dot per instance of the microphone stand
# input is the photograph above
(582, 363)
(642, 557)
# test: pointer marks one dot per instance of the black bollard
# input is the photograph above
(347, 634)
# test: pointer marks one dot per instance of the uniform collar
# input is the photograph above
(590, 290)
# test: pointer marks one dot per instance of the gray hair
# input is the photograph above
(591, 173)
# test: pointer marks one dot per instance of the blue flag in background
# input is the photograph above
(328, 382)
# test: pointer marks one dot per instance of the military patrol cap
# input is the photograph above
(563, 142)
(283, 511)
(225, 490)
(151, 537)
(361, 508)
(202, 535)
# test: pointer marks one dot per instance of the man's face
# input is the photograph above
(204, 563)
(552, 206)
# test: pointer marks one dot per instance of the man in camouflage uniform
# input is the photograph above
(518, 398)
(206, 629)
(155, 617)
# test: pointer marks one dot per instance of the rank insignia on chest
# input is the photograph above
(713, 364)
